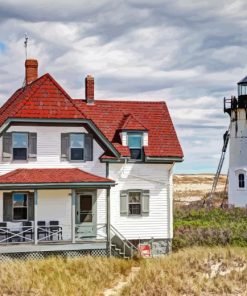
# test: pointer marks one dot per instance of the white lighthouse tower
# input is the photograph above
(237, 109)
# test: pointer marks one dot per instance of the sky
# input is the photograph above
(189, 53)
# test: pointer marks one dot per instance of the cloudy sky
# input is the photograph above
(190, 53)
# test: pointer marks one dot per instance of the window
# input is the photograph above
(134, 203)
(76, 146)
(241, 181)
(20, 145)
(20, 206)
(135, 143)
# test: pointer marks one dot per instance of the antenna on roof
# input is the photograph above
(25, 44)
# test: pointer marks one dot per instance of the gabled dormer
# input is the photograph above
(134, 135)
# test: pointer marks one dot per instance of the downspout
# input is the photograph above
(108, 213)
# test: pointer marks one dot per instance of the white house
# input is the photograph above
(237, 109)
(83, 175)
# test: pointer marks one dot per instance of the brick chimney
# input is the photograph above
(31, 66)
(89, 89)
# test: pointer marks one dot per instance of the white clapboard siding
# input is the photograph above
(237, 159)
(153, 177)
(49, 151)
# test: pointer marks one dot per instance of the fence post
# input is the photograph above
(73, 215)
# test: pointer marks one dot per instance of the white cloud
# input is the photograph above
(190, 53)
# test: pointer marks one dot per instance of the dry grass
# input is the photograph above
(191, 188)
(196, 271)
(56, 276)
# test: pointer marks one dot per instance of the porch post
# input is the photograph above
(73, 215)
(35, 216)
(108, 225)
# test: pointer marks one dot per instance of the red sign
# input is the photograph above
(145, 250)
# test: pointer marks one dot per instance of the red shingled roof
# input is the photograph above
(45, 98)
(109, 116)
(34, 176)
(131, 123)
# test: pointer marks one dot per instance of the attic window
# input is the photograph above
(135, 143)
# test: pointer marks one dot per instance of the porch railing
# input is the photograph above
(17, 234)
(83, 232)
(23, 235)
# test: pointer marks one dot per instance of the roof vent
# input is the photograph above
(31, 66)
(89, 89)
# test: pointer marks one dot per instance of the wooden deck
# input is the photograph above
(53, 246)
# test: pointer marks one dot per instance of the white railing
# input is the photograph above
(15, 233)
(83, 232)
(127, 248)
(24, 235)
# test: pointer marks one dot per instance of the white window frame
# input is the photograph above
(139, 203)
(70, 147)
(237, 173)
(13, 207)
(13, 133)
(142, 154)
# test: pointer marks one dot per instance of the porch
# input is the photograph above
(49, 217)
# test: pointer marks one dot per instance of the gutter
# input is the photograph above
(100, 185)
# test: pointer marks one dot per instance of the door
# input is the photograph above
(86, 214)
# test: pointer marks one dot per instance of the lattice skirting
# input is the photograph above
(63, 254)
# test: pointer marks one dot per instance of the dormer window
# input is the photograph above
(135, 144)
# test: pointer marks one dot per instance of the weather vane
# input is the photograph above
(25, 44)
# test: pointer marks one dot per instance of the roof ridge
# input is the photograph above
(125, 101)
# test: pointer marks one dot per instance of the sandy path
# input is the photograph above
(122, 283)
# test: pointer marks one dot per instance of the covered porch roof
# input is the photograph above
(52, 178)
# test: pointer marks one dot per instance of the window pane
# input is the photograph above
(136, 153)
(19, 200)
(20, 214)
(77, 140)
(76, 154)
(86, 203)
(134, 209)
(134, 141)
(86, 217)
(20, 140)
(241, 181)
(19, 153)
(134, 197)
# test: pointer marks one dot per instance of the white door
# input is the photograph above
(86, 214)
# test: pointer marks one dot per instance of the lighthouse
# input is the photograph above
(236, 107)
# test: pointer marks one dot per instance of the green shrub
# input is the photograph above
(209, 227)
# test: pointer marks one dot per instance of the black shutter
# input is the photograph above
(7, 146)
(32, 146)
(88, 147)
(31, 206)
(64, 146)
(7, 206)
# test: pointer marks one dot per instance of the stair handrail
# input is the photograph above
(125, 240)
